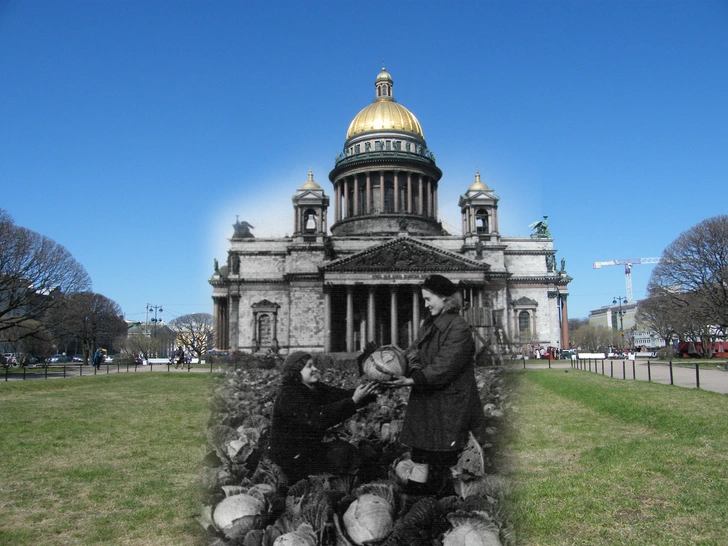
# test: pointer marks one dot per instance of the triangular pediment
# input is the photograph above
(404, 254)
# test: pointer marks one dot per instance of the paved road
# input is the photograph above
(711, 379)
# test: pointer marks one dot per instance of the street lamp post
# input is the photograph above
(154, 320)
(620, 299)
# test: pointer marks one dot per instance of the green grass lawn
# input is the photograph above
(600, 461)
(112, 459)
(595, 461)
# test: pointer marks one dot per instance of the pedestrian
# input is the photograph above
(98, 358)
(444, 406)
(303, 411)
(179, 358)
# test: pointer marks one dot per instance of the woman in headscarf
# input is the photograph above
(304, 410)
(444, 405)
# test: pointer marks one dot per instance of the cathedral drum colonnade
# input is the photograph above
(337, 289)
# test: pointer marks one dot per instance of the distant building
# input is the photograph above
(608, 317)
(336, 291)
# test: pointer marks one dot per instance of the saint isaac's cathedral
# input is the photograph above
(352, 274)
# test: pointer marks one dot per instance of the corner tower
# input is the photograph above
(385, 180)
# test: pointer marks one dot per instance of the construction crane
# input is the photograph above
(628, 263)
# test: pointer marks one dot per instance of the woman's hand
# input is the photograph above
(399, 382)
(364, 390)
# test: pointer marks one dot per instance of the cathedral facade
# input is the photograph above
(336, 289)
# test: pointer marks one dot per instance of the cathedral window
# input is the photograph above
(481, 220)
(524, 323)
(309, 221)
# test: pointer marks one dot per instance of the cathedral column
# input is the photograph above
(564, 322)
(234, 321)
(371, 317)
(394, 327)
(434, 203)
(430, 209)
(346, 198)
(349, 319)
(337, 198)
(217, 321)
(327, 321)
(396, 192)
(415, 311)
(356, 195)
(369, 195)
(409, 193)
(381, 191)
(420, 205)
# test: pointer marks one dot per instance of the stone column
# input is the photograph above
(564, 322)
(434, 202)
(369, 194)
(416, 311)
(216, 315)
(409, 193)
(371, 314)
(396, 192)
(356, 195)
(393, 327)
(234, 321)
(349, 319)
(420, 205)
(327, 320)
(346, 198)
(337, 201)
(430, 207)
(381, 191)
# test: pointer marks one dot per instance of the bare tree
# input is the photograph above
(593, 338)
(91, 319)
(139, 343)
(660, 313)
(34, 271)
(694, 268)
(194, 331)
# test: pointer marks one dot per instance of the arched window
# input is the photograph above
(265, 331)
(310, 221)
(524, 323)
(481, 221)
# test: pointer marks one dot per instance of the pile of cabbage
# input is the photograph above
(250, 502)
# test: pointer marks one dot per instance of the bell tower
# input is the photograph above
(479, 207)
(310, 205)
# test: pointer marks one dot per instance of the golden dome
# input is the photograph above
(477, 185)
(310, 184)
(384, 114)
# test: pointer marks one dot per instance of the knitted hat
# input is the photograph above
(440, 285)
(295, 362)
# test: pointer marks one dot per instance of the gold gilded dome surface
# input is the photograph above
(384, 113)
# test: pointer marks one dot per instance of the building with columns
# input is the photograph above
(336, 288)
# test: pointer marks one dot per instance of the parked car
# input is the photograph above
(77, 358)
(56, 359)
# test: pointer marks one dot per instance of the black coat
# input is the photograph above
(444, 404)
(301, 417)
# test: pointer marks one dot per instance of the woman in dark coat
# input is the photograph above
(444, 405)
(304, 410)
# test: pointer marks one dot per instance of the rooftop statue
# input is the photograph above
(242, 229)
(540, 229)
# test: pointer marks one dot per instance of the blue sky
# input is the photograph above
(133, 132)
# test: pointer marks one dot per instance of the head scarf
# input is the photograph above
(293, 364)
(440, 285)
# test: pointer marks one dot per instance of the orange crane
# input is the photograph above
(628, 263)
